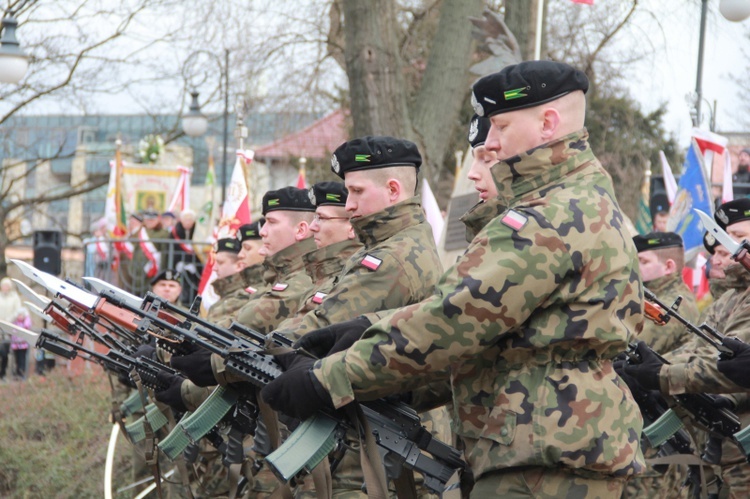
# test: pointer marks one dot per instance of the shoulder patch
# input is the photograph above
(371, 262)
(319, 297)
(280, 286)
(251, 289)
(514, 220)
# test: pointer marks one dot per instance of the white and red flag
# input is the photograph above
(181, 197)
(670, 183)
(234, 213)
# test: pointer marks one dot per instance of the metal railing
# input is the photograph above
(103, 260)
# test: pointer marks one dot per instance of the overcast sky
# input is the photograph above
(671, 73)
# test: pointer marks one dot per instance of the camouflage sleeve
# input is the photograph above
(192, 395)
(266, 312)
(361, 290)
(701, 374)
(500, 280)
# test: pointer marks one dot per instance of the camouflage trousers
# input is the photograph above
(544, 483)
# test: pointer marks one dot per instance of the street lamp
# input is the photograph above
(732, 10)
(195, 124)
(13, 62)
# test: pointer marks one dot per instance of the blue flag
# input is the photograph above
(692, 193)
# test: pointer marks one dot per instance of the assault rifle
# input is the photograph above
(396, 426)
(703, 408)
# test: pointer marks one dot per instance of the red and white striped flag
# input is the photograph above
(152, 254)
(669, 182)
(586, 2)
(709, 144)
(181, 197)
(234, 213)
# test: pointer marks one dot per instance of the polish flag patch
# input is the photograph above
(251, 289)
(371, 262)
(318, 297)
(514, 220)
(279, 286)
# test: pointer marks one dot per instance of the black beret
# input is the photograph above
(250, 231)
(478, 130)
(732, 212)
(525, 84)
(169, 214)
(710, 242)
(137, 216)
(287, 199)
(228, 245)
(368, 153)
(166, 275)
(657, 240)
(659, 203)
(328, 194)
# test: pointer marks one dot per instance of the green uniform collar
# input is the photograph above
(663, 282)
(287, 261)
(538, 167)
(480, 215)
(252, 275)
(228, 284)
(329, 260)
(384, 224)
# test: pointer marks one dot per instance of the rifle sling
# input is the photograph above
(152, 453)
(375, 481)
(271, 420)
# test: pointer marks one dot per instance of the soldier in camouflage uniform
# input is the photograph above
(398, 264)
(661, 257)
(528, 319)
(252, 260)
(697, 371)
(229, 283)
(335, 239)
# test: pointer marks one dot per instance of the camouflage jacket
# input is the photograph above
(398, 265)
(729, 314)
(527, 321)
(253, 278)
(287, 285)
(233, 295)
(323, 266)
(663, 339)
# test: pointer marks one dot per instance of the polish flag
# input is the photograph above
(234, 213)
(181, 197)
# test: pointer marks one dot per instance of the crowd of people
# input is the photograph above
(516, 354)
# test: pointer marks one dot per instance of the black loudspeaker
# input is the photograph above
(48, 251)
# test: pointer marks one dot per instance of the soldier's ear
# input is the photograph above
(550, 123)
(670, 266)
(394, 189)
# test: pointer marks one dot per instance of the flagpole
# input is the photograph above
(539, 27)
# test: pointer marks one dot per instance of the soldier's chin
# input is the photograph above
(716, 274)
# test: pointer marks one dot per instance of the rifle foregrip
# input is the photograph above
(117, 315)
(307, 446)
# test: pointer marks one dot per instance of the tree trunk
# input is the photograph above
(520, 16)
(445, 84)
(373, 67)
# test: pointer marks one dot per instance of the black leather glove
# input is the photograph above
(172, 396)
(737, 368)
(647, 371)
(148, 351)
(334, 338)
(297, 392)
(196, 366)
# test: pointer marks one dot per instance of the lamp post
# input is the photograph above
(13, 62)
(732, 10)
(195, 123)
